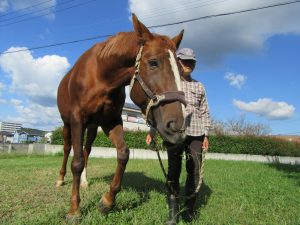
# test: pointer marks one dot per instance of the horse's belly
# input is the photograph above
(106, 114)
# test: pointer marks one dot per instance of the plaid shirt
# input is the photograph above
(196, 111)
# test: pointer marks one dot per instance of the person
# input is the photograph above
(197, 119)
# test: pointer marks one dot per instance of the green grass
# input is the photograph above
(233, 192)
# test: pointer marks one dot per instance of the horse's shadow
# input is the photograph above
(143, 185)
(132, 181)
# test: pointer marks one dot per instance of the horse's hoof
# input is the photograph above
(84, 184)
(103, 208)
(59, 183)
(73, 218)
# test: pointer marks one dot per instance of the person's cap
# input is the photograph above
(186, 54)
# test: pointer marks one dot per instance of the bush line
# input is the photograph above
(255, 145)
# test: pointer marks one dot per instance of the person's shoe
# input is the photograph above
(189, 215)
(173, 210)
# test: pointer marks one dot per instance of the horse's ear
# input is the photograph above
(140, 29)
(177, 39)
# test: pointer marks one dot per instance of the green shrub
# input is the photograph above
(57, 136)
(133, 139)
(255, 145)
(136, 139)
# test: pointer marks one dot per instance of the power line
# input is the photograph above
(32, 6)
(45, 14)
(155, 26)
(57, 44)
(171, 8)
(35, 12)
(224, 14)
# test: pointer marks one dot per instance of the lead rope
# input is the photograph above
(157, 147)
(201, 172)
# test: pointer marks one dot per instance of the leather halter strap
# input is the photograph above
(155, 100)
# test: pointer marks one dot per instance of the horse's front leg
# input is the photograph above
(91, 135)
(77, 166)
(116, 135)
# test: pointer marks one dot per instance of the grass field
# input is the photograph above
(232, 193)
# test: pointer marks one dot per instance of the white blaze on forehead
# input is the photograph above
(175, 69)
(176, 75)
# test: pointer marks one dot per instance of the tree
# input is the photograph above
(240, 127)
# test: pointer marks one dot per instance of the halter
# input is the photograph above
(155, 99)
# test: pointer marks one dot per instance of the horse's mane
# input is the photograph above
(124, 43)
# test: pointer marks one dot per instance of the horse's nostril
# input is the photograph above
(171, 126)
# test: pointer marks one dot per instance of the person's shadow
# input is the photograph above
(142, 185)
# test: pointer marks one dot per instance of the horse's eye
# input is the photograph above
(153, 63)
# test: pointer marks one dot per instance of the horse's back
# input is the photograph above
(86, 87)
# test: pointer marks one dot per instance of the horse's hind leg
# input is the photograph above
(116, 135)
(67, 149)
(91, 135)
(77, 129)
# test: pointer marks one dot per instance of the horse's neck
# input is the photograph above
(123, 64)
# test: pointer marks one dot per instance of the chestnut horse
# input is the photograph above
(92, 94)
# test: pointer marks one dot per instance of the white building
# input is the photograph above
(10, 127)
(133, 118)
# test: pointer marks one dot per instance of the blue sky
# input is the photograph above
(248, 62)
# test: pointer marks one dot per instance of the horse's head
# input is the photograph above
(155, 86)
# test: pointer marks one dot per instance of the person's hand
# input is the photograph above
(148, 139)
(205, 144)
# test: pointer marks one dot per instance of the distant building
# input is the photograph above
(6, 137)
(30, 135)
(10, 127)
(133, 118)
(48, 137)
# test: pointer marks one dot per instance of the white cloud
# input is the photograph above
(35, 78)
(215, 38)
(35, 115)
(3, 5)
(236, 80)
(2, 87)
(268, 108)
(41, 7)
(15, 102)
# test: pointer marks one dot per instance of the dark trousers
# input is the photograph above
(192, 146)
